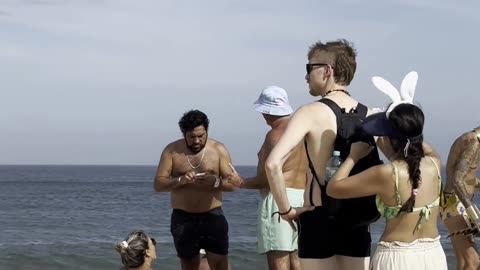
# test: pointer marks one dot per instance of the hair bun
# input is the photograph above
(121, 247)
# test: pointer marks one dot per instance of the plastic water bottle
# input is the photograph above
(333, 165)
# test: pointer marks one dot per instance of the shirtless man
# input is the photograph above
(193, 169)
(330, 70)
(277, 239)
(458, 211)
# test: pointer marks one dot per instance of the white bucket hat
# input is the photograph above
(273, 101)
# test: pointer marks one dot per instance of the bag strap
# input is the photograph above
(362, 110)
(314, 173)
(334, 107)
(310, 163)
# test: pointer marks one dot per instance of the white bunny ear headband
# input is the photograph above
(406, 93)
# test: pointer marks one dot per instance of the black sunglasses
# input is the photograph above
(153, 241)
(310, 66)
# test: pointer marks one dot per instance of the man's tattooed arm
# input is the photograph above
(469, 151)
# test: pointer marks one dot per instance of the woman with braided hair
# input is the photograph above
(408, 189)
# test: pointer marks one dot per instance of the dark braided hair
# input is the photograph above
(408, 119)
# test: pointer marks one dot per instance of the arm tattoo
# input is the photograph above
(469, 155)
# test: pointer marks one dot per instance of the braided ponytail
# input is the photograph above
(408, 119)
(413, 158)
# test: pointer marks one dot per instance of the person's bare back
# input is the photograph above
(320, 141)
(295, 167)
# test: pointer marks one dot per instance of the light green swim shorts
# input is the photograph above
(274, 235)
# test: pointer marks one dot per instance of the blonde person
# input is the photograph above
(330, 69)
(459, 214)
(407, 189)
(137, 251)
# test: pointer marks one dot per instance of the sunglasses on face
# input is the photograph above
(153, 241)
(310, 66)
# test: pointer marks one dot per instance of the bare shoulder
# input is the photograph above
(383, 171)
(314, 106)
(173, 146)
(218, 146)
(470, 138)
(272, 137)
(313, 112)
(438, 162)
(215, 144)
(465, 141)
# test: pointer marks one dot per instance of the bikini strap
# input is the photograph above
(397, 194)
(438, 174)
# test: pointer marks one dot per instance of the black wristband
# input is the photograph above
(282, 214)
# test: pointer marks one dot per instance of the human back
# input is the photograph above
(412, 203)
(295, 167)
(412, 180)
(321, 142)
(402, 227)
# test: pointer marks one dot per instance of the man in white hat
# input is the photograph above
(276, 238)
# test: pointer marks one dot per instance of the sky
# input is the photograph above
(105, 82)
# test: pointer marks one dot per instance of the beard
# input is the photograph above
(195, 148)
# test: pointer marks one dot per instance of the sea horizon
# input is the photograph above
(70, 216)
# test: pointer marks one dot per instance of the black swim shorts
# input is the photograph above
(194, 231)
(320, 237)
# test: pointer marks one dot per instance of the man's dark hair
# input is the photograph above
(340, 54)
(192, 119)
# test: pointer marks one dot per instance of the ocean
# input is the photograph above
(69, 217)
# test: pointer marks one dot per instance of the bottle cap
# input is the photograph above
(336, 153)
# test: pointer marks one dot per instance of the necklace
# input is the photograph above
(336, 90)
(200, 162)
